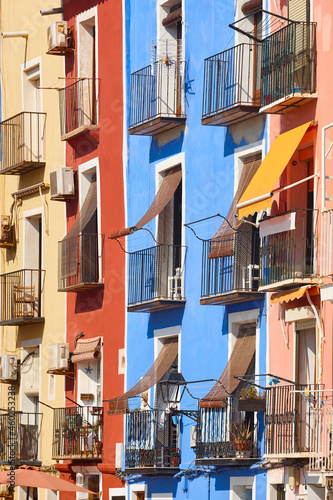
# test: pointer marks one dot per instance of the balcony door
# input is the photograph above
(32, 123)
(28, 289)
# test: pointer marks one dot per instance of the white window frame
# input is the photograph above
(29, 214)
(134, 488)
(242, 481)
(234, 321)
(303, 325)
(28, 74)
(117, 492)
(241, 154)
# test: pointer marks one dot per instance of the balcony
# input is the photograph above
(156, 278)
(157, 98)
(21, 138)
(80, 265)
(219, 441)
(149, 449)
(287, 257)
(231, 85)
(289, 422)
(78, 108)
(20, 438)
(235, 276)
(321, 447)
(288, 71)
(77, 433)
(21, 293)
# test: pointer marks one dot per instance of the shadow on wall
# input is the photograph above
(244, 133)
(164, 319)
(169, 144)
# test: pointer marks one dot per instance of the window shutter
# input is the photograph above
(297, 10)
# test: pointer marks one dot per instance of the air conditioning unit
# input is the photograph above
(7, 232)
(80, 479)
(62, 183)
(175, 285)
(57, 357)
(8, 366)
(57, 37)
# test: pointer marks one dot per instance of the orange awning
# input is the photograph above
(258, 195)
(278, 298)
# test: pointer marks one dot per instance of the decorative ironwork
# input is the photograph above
(25, 428)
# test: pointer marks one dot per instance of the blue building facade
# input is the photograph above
(192, 282)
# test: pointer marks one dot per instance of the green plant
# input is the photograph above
(175, 453)
(251, 393)
(242, 435)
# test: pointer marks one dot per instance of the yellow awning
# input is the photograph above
(257, 195)
(278, 298)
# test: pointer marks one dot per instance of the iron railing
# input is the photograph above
(77, 433)
(326, 243)
(289, 255)
(288, 62)
(149, 440)
(157, 91)
(156, 273)
(231, 78)
(79, 105)
(321, 414)
(231, 263)
(21, 140)
(19, 438)
(80, 262)
(21, 293)
(289, 422)
(218, 434)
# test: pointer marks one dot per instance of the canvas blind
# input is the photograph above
(238, 364)
(87, 350)
(160, 366)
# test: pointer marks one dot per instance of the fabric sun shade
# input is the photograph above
(87, 350)
(238, 364)
(257, 196)
(222, 244)
(69, 243)
(278, 298)
(161, 365)
(33, 477)
(166, 191)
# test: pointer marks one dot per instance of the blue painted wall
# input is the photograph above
(209, 187)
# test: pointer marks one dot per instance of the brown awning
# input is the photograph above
(251, 6)
(238, 364)
(161, 365)
(166, 191)
(68, 259)
(222, 244)
(87, 350)
(174, 17)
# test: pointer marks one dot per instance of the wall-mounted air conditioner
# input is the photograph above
(7, 232)
(57, 357)
(62, 183)
(59, 41)
(8, 367)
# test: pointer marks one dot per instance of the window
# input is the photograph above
(242, 488)
(32, 105)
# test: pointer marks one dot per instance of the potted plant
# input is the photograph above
(251, 400)
(242, 438)
(175, 457)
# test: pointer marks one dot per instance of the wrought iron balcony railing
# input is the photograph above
(326, 243)
(219, 435)
(287, 257)
(148, 440)
(21, 141)
(157, 97)
(289, 423)
(79, 107)
(321, 445)
(156, 275)
(80, 265)
(19, 438)
(77, 433)
(231, 85)
(288, 62)
(237, 267)
(21, 294)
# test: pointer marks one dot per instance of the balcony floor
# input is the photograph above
(81, 287)
(289, 283)
(22, 321)
(288, 103)
(22, 168)
(79, 131)
(153, 471)
(81, 456)
(232, 297)
(156, 305)
(232, 115)
(156, 125)
(227, 462)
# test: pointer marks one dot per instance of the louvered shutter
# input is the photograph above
(298, 9)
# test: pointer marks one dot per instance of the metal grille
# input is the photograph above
(230, 79)
(326, 247)
(288, 62)
(238, 271)
(19, 436)
(321, 414)
(78, 105)
(155, 273)
(77, 432)
(21, 139)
